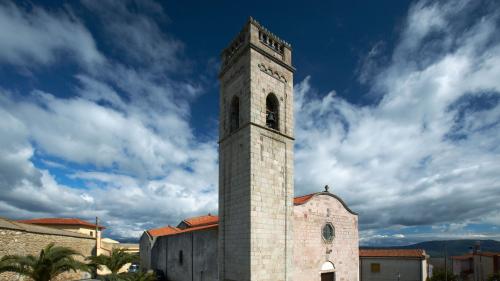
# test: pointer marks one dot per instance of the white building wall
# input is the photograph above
(397, 269)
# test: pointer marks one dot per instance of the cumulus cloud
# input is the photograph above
(124, 133)
(31, 35)
(428, 152)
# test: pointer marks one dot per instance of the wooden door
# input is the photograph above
(329, 276)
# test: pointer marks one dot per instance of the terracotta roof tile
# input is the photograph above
(302, 199)
(167, 230)
(191, 229)
(60, 221)
(468, 256)
(407, 253)
(201, 220)
(208, 221)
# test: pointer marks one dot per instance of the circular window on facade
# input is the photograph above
(328, 232)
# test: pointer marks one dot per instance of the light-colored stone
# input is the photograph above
(29, 240)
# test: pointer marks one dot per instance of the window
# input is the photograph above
(375, 267)
(92, 233)
(234, 116)
(181, 257)
(328, 232)
(272, 112)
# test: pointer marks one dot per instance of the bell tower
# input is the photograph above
(256, 157)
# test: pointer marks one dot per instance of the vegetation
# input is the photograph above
(494, 277)
(114, 263)
(440, 275)
(52, 261)
(141, 276)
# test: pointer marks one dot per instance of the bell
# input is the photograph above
(270, 116)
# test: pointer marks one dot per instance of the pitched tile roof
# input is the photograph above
(302, 199)
(210, 221)
(167, 230)
(201, 220)
(61, 221)
(468, 256)
(32, 228)
(191, 229)
(386, 253)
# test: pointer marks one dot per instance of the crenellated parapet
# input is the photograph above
(255, 35)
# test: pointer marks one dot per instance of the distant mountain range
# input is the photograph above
(454, 247)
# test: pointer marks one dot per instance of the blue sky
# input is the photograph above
(110, 109)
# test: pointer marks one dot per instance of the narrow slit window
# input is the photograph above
(272, 112)
(234, 118)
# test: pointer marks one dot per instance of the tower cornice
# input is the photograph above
(255, 36)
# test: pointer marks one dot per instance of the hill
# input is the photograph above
(454, 247)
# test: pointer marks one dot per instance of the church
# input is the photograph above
(263, 232)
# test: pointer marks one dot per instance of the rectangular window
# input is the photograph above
(375, 267)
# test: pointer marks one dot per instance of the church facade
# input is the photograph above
(262, 233)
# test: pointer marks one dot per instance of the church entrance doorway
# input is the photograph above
(328, 272)
(328, 276)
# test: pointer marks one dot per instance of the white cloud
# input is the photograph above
(30, 36)
(125, 135)
(429, 151)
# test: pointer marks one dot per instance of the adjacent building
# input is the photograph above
(393, 264)
(68, 224)
(102, 246)
(325, 243)
(476, 266)
(28, 239)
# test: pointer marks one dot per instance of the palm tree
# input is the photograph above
(114, 262)
(52, 261)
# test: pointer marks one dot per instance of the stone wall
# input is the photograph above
(311, 251)
(199, 255)
(256, 162)
(145, 244)
(19, 242)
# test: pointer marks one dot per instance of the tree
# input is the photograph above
(439, 275)
(52, 261)
(113, 262)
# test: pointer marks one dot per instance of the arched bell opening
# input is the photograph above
(272, 112)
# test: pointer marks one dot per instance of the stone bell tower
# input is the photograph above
(256, 157)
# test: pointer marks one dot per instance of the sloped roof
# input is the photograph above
(302, 199)
(167, 230)
(18, 226)
(211, 221)
(468, 256)
(191, 229)
(305, 198)
(61, 221)
(388, 253)
(201, 220)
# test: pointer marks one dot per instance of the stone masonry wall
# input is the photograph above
(272, 171)
(311, 251)
(256, 162)
(234, 175)
(15, 242)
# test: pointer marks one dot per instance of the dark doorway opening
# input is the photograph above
(328, 276)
